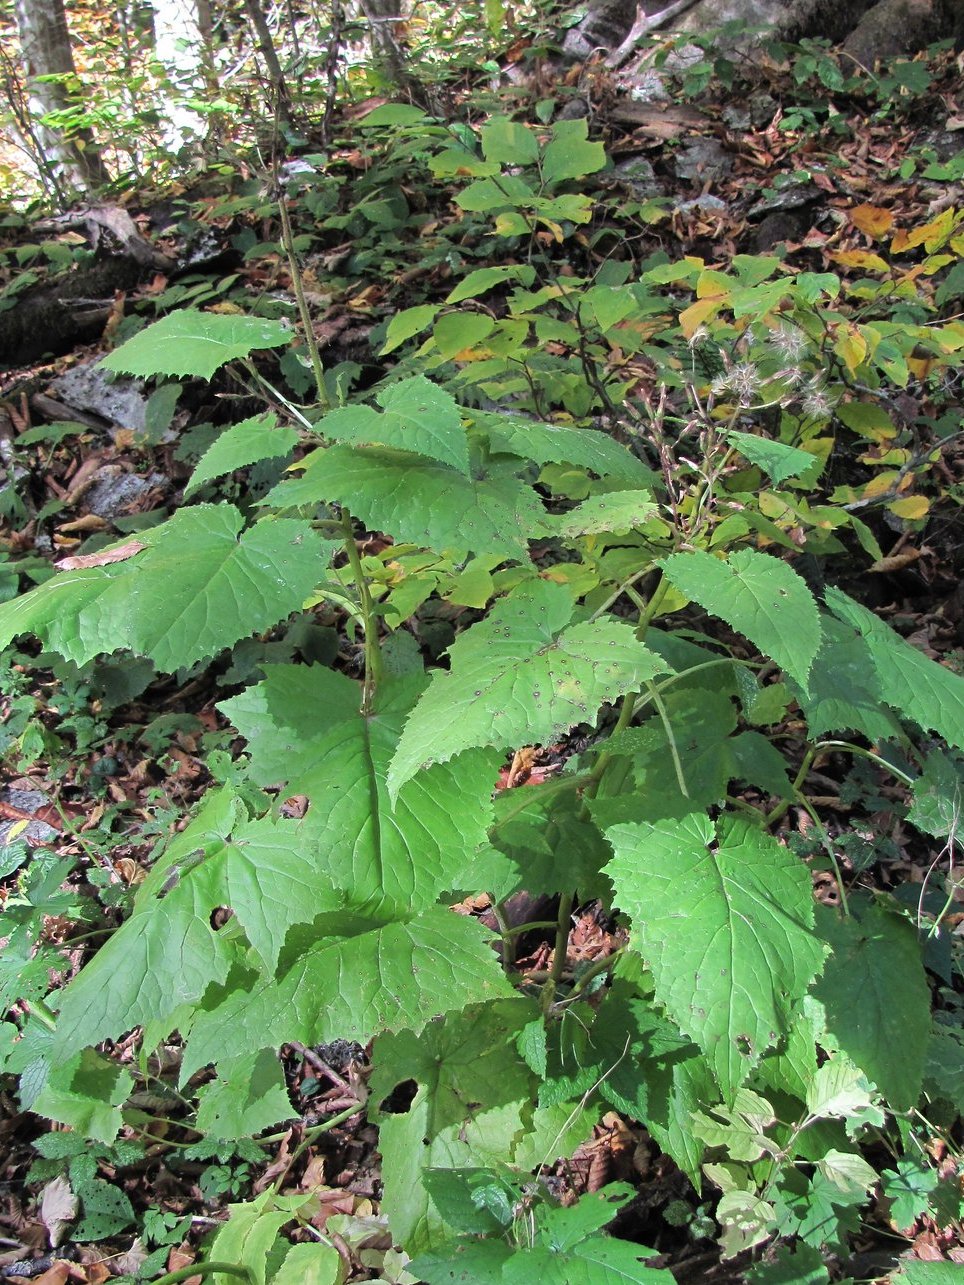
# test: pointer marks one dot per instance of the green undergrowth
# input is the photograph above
(634, 491)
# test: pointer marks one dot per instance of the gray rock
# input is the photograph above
(702, 205)
(702, 160)
(792, 197)
(89, 388)
(116, 492)
(895, 27)
(27, 801)
(637, 174)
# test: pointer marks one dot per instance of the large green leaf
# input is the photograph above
(876, 999)
(167, 953)
(416, 416)
(844, 693)
(917, 687)
(249, 442)
(564, 1248)
(359, 978)
(419, 500)
(247, 1096)
(188, 342)
(195, 589)
(559, 444)
(759, 596)
(618, 511)
(306, 732)
(509, 142)
(569, 154)
(467, 1061)
(86, 1092)
(466, 1066)
(724, 923)
(161, 958)
(519, 677)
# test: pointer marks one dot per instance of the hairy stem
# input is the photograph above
(287, 240)
(373, 655)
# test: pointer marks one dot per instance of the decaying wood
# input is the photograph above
(97, 219)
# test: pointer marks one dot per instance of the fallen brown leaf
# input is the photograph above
(120, 554)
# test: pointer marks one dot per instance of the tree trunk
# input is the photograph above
(68, 156)
(282, 99)
(388, 50)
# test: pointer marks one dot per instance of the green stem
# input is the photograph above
(311, 1134)
(671, 740)
(559, 955)
(373, 656)
(867, 754)
(600, 966)
(204, 1269)
(287, 240)
(654, 604)
(618, 592)
(43, 1014)
(804, 802)
(530, 927)
(780, 810)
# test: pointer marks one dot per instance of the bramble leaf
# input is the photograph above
(521, 676)
(194, 590)
(189, 342)
(759, 596)
(725, 925)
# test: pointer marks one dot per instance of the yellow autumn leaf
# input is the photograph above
(865, 259)
(851, 347)
(694, 316)
(872, 219)
(911, 506)
(879, 485)
(712, 284)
